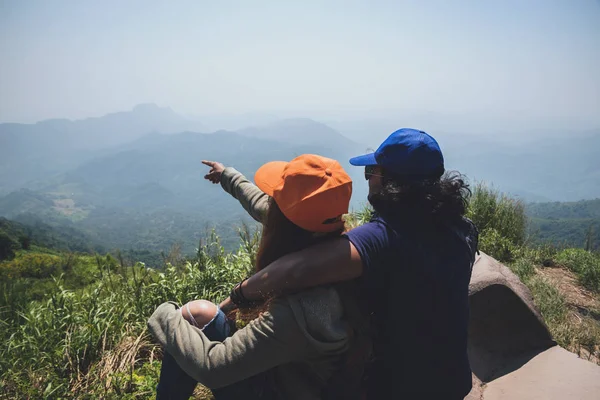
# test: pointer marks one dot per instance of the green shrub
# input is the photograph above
(524, 268)
(539, 254)
(25, 242)
(584, 264)
(92, 342)
(8, 246)
(575, 259)
(32, 265)
(498, 215)
(496, 245)
(360, 217)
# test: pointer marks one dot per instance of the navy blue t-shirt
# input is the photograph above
(417, 282)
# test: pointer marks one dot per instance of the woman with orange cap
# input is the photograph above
(295, 345)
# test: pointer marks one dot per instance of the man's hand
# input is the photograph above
(216, 169)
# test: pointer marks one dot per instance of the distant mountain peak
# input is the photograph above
(150, 107)
(299, 131)
(294, 121)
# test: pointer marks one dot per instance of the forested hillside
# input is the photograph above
(15, 236)
(569, 224)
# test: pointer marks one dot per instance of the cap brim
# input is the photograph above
(269, 176)
(364, 160)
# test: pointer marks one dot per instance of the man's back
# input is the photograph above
(417, 281)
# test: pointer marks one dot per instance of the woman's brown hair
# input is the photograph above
(280, 236)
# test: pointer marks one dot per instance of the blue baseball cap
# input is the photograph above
(408, 152)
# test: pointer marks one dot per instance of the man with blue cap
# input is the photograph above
(413, 261)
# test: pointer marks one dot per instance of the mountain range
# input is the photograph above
(134, 179)
(30, 153)
(149, 192)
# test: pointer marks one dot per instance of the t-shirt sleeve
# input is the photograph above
(370, 240)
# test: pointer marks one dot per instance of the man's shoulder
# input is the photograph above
(376, 223)
(376, 227)
(373, 240)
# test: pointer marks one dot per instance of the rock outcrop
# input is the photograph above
(512, 353)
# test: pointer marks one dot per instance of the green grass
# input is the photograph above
(549, 300)
(359, 217)
(573, 328)
(585, 264)
(524, 268)
(553, 308)
(91, 341)
(579, 334)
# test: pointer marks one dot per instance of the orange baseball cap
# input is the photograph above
(312, 191)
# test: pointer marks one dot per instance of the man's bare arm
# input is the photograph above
(335, 260)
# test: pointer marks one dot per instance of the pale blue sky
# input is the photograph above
(527, 59)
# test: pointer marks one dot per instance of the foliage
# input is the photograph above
(552, 305)
(496, 245)
(501, 222)
(92, 341)
(524, 268)
(553, 308)
(569, 224)
(31, 265)
(566, 232)
(489, 209)
(565, 210)
(589, 239)
(359, 217)
(35, 232)
(578, 334)
(585, 264)
(538, 254)
(8, 245)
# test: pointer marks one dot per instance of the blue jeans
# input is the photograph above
(175, 384)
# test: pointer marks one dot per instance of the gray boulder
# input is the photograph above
(512, 353)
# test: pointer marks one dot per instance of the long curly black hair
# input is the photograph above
(439, 198)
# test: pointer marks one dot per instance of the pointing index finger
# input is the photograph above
(209, 163)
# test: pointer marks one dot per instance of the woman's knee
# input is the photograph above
(202, 311)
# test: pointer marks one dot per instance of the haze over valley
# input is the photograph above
(133, 179)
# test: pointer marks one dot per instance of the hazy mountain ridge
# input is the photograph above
(301, 131)
(150, 193)
(173, 161)
(37, 151)
(123, 192)
(574, 209)
(564, 168)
